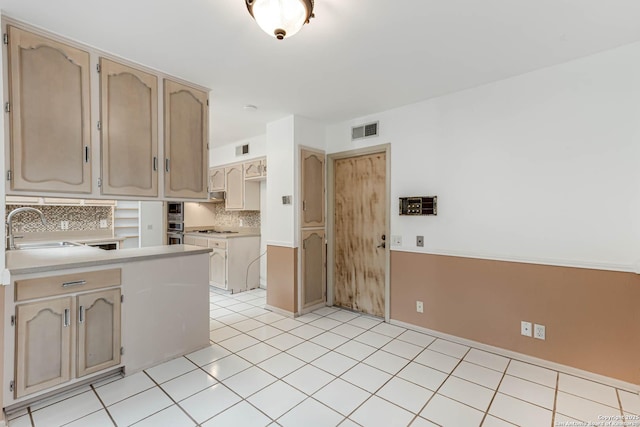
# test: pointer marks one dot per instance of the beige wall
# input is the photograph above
(282, 277)
(592, 317)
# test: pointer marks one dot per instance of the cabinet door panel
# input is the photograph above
(216, 180)
(98, 331)
(235, 187)
(43, 340)
(129, 111)
(313, 268)
(253, 169)
(50, 114)
(218, 268)
(186, 136)
(312, 171)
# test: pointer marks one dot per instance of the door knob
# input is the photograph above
(382, 245)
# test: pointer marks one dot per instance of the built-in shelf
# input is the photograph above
(126, 223)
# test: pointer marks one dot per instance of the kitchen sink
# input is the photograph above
(46, 245)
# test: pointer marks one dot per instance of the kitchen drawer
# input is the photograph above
(220, 244)
(65, 284)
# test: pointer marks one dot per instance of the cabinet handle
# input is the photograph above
(81, 314)
(155, 163)
(86, 154)
(304, 205)
(74, 283)
(166, 165)
(66, 317)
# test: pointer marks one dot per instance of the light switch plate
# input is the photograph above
(396, 240)
(525, 328)
(420, 241)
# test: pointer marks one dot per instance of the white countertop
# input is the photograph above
(42, 260)
(222, 235)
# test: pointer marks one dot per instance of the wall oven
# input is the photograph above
(175, 223)
(174, 238)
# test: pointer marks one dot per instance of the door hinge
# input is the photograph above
(99, 182)
(7, 107)
(98, 68)
(9, 175)
(13, 320)
(99, 125)
(12, 385)
(5, 38)
(121, 298)
(121, 351)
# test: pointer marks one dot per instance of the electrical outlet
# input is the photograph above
(396, 240)
(419, 307)
(420, 241)
(525, 328)
(64, 225)
(103, 223)
(539, 332)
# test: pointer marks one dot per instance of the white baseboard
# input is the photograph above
(634, 388)
(279, 311)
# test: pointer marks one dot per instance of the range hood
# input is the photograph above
(216, 196)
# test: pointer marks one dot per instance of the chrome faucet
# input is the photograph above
(12, 244)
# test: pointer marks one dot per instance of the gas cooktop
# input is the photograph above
(216, 231)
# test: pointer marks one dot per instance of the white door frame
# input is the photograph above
(331, 159)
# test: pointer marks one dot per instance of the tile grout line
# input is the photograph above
(170, 398)
(103, 405)
(495, 393)
(439, 387)
(555, 400)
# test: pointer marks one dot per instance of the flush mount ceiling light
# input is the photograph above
(281, 18)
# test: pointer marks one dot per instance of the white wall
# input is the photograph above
(543, 167)
(152, 228)
(281, 152)
(227, 153)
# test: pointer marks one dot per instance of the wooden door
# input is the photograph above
(359, 224)
(235, 187)
(186, 134)
(216, 179)
(312, 172)
(49, 114)
(43, 345)
(98, 331)
(129, 115)
(218, 268)
(313, 267)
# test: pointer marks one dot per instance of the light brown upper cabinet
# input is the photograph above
(312, 172)
(186, 130)
(241, 195)
(234, 177)
(49, 114)
(129, 116)
(255, 169)
(216, 179)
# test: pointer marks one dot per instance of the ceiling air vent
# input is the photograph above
(364, 131)
(242, 150)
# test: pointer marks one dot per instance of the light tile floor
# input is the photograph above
(332, 367)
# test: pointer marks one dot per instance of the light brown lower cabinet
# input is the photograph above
(43, 352)
(313, 267)
(51, 332)
(98, 331)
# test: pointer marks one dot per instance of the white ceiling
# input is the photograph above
(355, 58)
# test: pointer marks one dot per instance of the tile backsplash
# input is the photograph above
(214, 214)
(80, 218)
